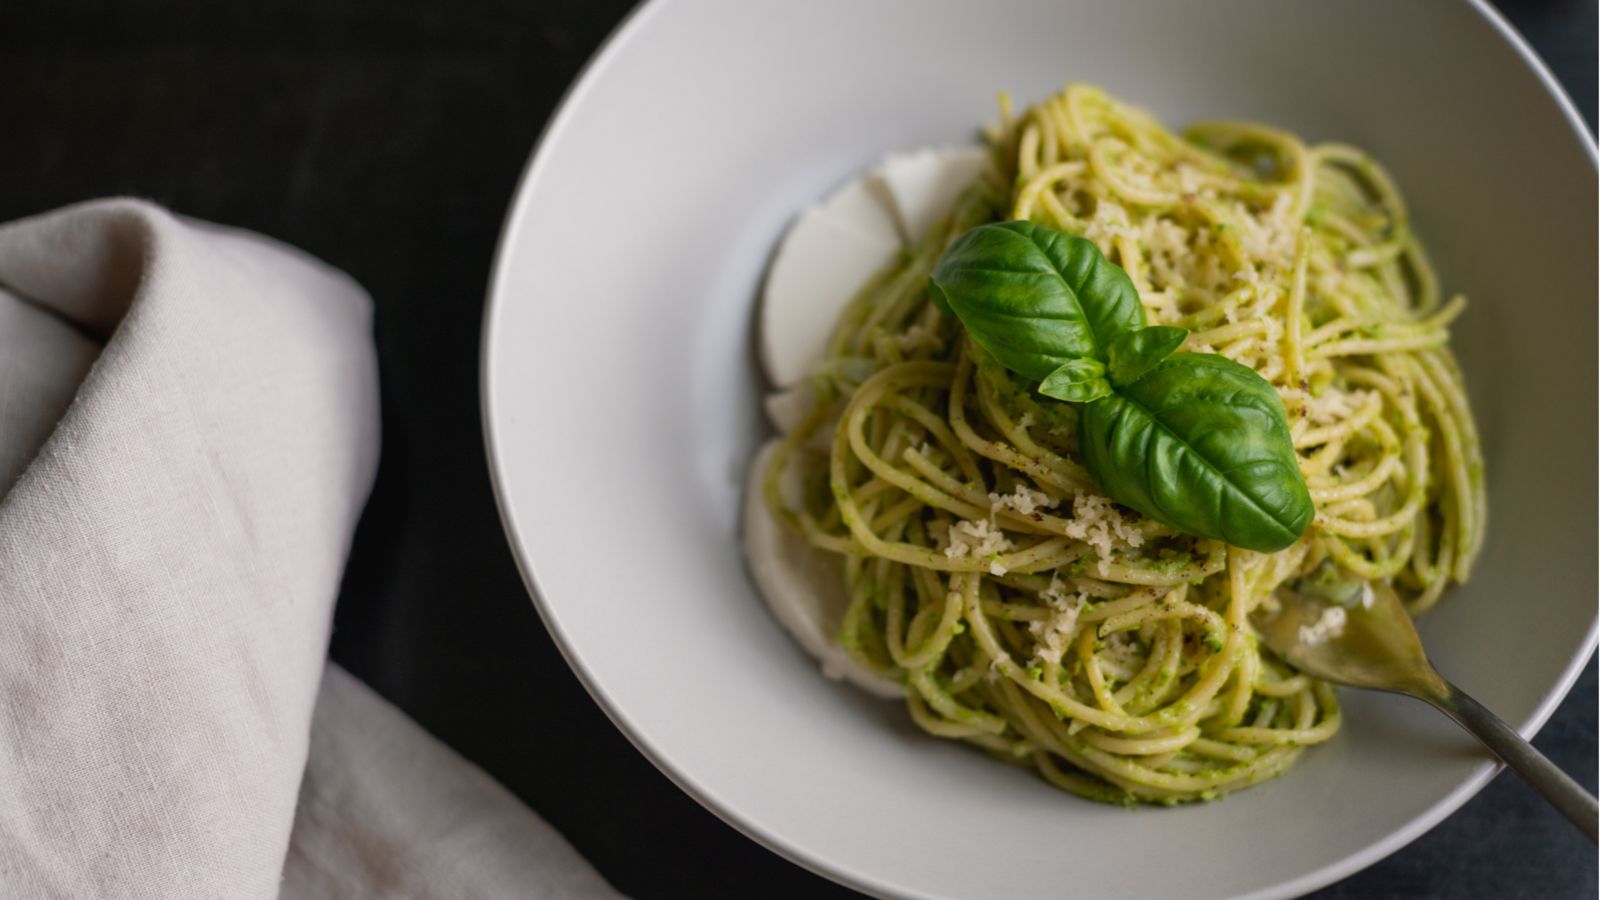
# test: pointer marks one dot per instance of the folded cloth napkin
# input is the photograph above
(188, 432)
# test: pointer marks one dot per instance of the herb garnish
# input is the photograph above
(1192, 440)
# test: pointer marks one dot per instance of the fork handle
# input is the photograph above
(1557, 787)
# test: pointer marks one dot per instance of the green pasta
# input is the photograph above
(1021, 609)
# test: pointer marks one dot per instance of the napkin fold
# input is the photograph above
(188, 432)
(386, 811)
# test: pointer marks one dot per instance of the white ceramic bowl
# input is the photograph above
(621, 404)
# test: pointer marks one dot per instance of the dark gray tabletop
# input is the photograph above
(386, 138)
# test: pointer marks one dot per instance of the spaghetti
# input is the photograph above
(1022, 610)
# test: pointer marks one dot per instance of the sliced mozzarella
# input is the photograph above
(921, 186)
(833, 248)
(858, 206)
(829, 253)
(802, 585)
(786, 408)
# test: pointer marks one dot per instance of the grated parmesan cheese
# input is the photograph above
(1188, 178)
(917, 338)
(1109, 222)
(977, 539)
(1054, 635)
(1334, 405)
(1098, 523)
(1023, 500)
(1122, 656)
(1329, 625)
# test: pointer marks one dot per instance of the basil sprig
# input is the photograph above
(1032, 298)
(1192, 440)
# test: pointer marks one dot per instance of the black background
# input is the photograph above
(386, 138)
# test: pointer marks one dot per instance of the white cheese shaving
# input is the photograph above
(1023, 500)
(1169, 251)
(1098, 523)
(917, 338)
(1188, 178)
(1121, 657)
(1109, 222)
(975, 540)
(921, 186)
(1329, 625)
(1334, 405)
(1054, 635)
(829, 252)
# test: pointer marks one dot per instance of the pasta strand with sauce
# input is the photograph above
(1022, 610)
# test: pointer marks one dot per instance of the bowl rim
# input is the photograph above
(615, 44)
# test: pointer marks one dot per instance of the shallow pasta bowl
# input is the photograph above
(621, 402)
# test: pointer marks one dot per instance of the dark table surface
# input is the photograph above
(386, 138)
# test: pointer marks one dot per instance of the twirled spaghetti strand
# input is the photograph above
(1024, 612)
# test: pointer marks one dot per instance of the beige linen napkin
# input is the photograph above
(188, 431)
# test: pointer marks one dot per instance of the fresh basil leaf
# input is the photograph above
(1035, 298)
(1200, 443)
(1137, 352)
(1077, 381)
(1192, 440)
(936, 294)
